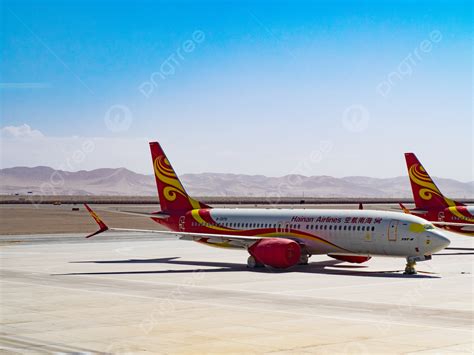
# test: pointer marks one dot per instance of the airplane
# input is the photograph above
(282, 238)
(432, 205)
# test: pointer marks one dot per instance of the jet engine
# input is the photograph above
(279, 253)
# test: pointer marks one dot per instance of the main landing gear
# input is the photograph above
(252, 263)
(304, 259)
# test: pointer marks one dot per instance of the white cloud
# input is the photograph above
(24, 146)
(75, 153)
(22, 131)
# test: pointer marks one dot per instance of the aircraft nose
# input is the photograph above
(438, 241)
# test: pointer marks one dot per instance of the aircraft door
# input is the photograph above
(392, 232)
(283, 227)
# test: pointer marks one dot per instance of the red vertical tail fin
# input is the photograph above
(173, 197)
(425, 192)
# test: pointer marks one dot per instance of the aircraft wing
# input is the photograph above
(133, 213)
(409, 211)
(218, 239)
(233, 240)
(467, 227)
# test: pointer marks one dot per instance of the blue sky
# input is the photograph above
(264, 87)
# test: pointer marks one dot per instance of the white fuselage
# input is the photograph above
(362, 232)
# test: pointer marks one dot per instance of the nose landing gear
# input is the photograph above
(410, 268)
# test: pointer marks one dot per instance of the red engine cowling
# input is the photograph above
(358, 259)
(276, 252)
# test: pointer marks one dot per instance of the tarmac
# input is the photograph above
(134, 293)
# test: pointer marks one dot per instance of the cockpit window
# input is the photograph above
(428, 226)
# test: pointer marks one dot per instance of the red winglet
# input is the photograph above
(103, 227)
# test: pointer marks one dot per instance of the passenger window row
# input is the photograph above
(236, 225)
(292, 226)
(339, 227)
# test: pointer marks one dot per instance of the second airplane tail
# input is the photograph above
(173, 197)
(425, 192)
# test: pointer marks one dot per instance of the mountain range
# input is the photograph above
(123, 182)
